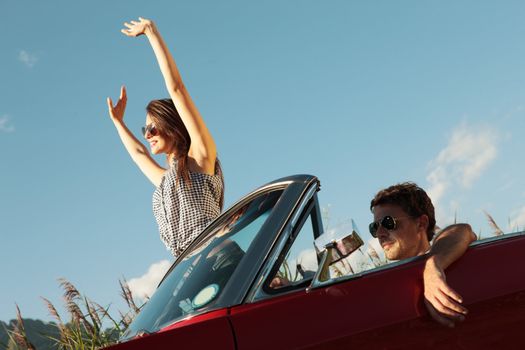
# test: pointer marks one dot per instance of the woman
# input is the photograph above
(189, 193)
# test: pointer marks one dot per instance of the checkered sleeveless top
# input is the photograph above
(183, 211)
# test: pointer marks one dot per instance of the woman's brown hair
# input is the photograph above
(168, 122)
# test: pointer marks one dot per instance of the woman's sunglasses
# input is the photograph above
(149, 129)
(388, 222)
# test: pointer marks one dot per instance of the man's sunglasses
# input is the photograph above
(388, 222)
(149, 129)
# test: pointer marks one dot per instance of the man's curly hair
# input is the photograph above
(412, 199)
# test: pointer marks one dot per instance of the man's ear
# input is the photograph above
(423, 222)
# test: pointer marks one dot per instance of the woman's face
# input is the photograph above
(157, 141)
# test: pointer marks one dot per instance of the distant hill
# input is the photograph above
(36, 333)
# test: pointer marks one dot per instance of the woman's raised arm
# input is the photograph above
(202, 152)
(135, 148)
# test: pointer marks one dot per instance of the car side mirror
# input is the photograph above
(333, 252)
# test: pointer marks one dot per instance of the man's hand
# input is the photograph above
(279, 282)
(442, 302)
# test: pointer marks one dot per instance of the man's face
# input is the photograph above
(408, 239)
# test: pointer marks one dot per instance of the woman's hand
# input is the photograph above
(117, 112)
(137, 28)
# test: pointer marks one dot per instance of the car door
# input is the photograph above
(383, 308)
(293, 316)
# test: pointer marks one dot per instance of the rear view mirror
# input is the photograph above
(333, 252)
(341, 248)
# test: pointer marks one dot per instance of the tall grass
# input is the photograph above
(17, 336)
(89, 325)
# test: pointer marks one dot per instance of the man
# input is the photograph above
(404, 224)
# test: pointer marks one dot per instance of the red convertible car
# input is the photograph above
(255, 279)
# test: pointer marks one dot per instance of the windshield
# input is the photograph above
(195, 283)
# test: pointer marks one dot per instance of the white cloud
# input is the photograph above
(27, 58)
(143, 287)
(469, 152)
(438, 179)
(517, 221)
(5, 125)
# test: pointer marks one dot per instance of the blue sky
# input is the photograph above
(361, 94)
